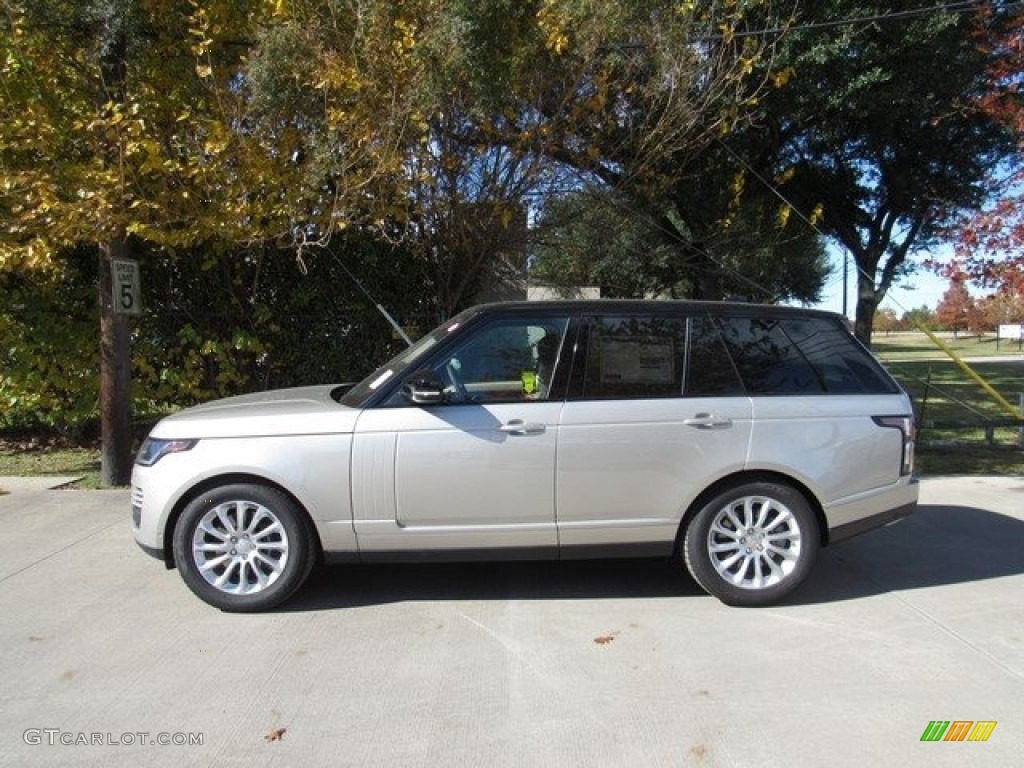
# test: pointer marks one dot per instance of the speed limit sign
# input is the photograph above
(127, 287)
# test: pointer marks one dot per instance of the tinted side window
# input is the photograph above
(768, 361)
(843, 365)
(709, 370)
(630, 357)
(800, 355)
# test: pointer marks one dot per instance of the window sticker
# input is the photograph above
(639, 361)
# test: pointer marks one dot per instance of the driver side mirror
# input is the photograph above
(423, 388)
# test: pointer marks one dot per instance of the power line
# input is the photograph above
(961, 7)
(965, 6)
(793, 207)
(615, 202)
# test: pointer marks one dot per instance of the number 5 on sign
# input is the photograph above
(127, 287)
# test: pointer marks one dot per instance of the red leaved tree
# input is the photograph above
(956, 310)
(990, 242)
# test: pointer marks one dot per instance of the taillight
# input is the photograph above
(905, 424)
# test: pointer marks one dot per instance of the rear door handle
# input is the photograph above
(520, 427)
(708, 421)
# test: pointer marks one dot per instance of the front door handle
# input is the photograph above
(708, 421)
(520, 427)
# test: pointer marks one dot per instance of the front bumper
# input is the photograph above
(153, 552)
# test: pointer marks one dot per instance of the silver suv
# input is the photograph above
(736, 438)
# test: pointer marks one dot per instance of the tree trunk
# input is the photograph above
(115, 376)
(867, 304)
(115, 346)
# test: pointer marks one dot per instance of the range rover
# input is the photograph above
(737, 439)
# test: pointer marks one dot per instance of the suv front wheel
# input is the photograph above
(752, 544)
(243, 547)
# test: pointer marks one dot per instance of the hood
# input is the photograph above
(300, 411)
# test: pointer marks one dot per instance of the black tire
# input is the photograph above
(244, 547)
(761, 561)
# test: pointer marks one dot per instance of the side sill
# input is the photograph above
(340, 558)
(450, 555)
(866, 524)
(581, 552)
(629, 550)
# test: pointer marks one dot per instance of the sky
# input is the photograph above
(924, 288)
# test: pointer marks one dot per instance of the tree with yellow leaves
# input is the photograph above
(109, 116)
(130, 128)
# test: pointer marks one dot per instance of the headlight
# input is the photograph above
(153, 449)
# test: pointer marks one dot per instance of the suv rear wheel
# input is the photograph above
(752, 544)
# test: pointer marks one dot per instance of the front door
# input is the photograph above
(474, 472)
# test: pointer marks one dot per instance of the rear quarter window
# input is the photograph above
(801, 356)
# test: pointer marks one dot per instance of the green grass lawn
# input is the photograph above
(915, 345)
(941, 391)
(18, 460)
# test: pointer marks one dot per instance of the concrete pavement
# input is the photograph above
(619, 663)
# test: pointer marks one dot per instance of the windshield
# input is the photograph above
(404, 362)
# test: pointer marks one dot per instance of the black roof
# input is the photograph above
(658, 306)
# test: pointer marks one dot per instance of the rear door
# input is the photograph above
(655, 414)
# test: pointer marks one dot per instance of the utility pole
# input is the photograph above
(846, 276)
